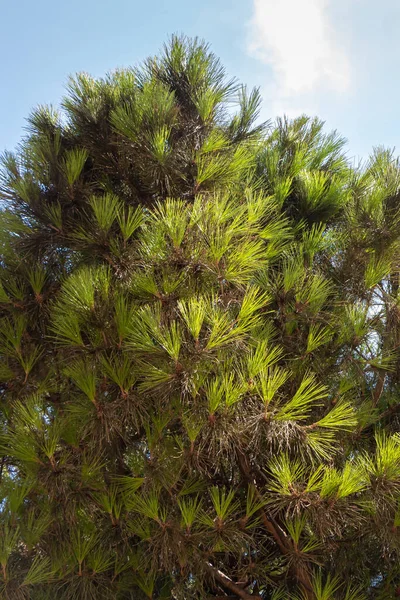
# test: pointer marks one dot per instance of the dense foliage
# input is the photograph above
(200, 322)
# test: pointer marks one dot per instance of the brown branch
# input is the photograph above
(225, 597)
(3, 460)
(269, 526)
(245, 469)
(389, 412)
(229, 584)
(379, 388)
(301, 573)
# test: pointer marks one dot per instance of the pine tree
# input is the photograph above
(199, 333)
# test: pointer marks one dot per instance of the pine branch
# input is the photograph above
(246, 471)
(225, 597)
(379, 388)
(300, 572)
(229, 584)
(392, 410)
(3, 460)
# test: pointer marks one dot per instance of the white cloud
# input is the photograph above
(297, 40)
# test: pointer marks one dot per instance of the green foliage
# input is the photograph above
(199, 348)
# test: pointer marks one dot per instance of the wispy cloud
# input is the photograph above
(297, 40)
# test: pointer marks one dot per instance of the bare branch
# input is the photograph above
(229, 584)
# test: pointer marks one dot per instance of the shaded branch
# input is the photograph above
(229, 584)
(379, 388)
(301, 573)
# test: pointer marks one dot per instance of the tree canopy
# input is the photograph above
(199, 334)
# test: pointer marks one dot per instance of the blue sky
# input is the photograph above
(338, 59)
